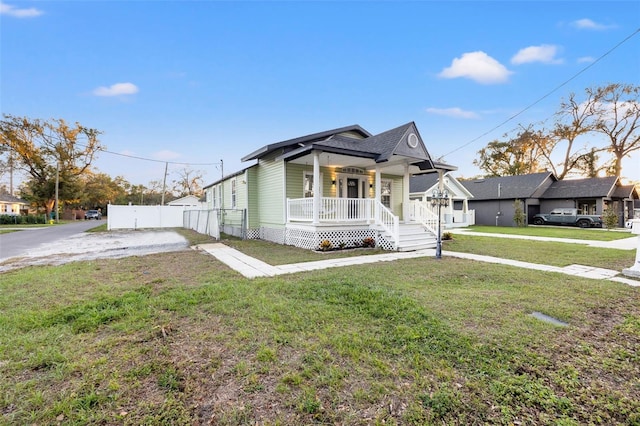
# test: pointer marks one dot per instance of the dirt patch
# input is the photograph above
(99, 245)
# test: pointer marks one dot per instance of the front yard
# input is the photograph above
(178, 338)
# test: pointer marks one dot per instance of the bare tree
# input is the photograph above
(189, 182)
(616, 108)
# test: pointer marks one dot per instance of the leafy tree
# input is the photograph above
(100, 189)
(49, 150)
(517, 156)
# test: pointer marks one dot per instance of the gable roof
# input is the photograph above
(508, 187)
(302, 140)
(424, 182)
(8, 198)
(579, 188)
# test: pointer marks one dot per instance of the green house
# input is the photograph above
(342, 187)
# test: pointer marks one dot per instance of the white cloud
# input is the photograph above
(116, 90)
(588, 24)
(7, 9)
(477, 66)
(545, 53)
(586, 59)
(453, 112)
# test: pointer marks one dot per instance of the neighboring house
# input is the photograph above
(190, 201)
(12, 205)
(341, 185)
(592, 196)
(494, 198)
(457, 213)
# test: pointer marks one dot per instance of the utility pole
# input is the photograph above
(164, 182)
(57, 186)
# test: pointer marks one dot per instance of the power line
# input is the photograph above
(159, 161)
(545, 95)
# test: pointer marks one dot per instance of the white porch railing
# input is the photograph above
(345, 210)
(425, 214)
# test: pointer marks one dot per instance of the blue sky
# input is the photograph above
(202, 81)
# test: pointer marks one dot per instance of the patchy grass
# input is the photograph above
(544, 252)
(277, 254)
(178, 338)
(597, 234)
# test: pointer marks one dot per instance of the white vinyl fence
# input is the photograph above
(137, 217)
(203, 222)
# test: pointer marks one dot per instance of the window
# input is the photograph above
(233, 193)
(307, 186)
(385, 193)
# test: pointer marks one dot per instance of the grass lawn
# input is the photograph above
(556, 232)
(178, 338)
(544, 252)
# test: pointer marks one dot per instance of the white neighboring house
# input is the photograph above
(189, 202)
(457, 213)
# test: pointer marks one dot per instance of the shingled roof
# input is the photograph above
(508, 187)
(597, 187)
(8, 198)
(420, 183)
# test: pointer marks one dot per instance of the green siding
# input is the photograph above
(270, 194)
(252, 204)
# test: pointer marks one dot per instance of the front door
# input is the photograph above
(352, 192)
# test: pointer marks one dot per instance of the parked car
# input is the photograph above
(93, 214)
(568, 217)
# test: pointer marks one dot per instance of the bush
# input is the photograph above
(325, 245)
(368, 242)
(610, 218)
(519, 218)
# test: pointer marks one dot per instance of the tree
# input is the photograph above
(517, 156)
(100, 189)
(49, 151)
(188, 183)
(617, 115)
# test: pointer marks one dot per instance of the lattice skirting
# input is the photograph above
(310, 240)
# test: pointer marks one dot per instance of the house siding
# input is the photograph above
(253, 218)
(270, 196)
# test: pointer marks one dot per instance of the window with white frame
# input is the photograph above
(385, 193)
(307, 185)
(233, 193)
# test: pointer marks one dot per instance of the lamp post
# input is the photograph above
(439, 199)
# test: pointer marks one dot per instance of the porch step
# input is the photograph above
(414, 236)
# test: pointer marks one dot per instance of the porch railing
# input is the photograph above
(425, 214)
(345, 210)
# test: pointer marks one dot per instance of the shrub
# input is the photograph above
(325, 245)
(368, 242)
(447, 236)
(610, 218)
(519, 218)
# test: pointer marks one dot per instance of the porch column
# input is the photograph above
(316, 187)
(405, 193)
(378, 196)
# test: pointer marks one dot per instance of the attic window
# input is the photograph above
(412, 140)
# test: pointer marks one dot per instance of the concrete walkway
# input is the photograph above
(253, 268)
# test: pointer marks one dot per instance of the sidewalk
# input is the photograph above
(253, 268)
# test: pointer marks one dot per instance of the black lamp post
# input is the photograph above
(439, 199)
